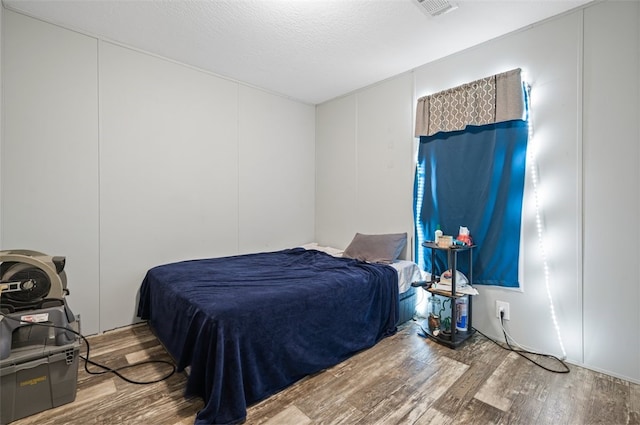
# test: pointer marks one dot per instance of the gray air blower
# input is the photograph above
(33, 288)
(31, 280)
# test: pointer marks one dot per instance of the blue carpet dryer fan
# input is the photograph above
(33, 288)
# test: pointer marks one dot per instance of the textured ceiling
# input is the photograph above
(309, 50)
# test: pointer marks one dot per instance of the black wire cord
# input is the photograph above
(565, 368)
(105, 369)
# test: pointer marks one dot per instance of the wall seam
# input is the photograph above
(2, 118)
(580, 180)
(99, 259)
(356, 100)
(238, 171)
(638, 121)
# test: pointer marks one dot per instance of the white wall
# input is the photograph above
(1, 106)
(364, 163)
(611, 152)
(336, 171)
(277, 172)
(121, 161)
(554, 77)
(50, 152)
(578, 160)
(167, 135)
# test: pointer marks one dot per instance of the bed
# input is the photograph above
(250, 325)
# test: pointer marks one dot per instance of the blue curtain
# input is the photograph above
(473, 178)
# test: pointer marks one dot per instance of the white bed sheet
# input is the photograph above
(408, 271)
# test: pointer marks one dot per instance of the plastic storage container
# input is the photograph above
(37, 378)
(407, 305)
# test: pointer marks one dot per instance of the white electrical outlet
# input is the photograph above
(502, 306)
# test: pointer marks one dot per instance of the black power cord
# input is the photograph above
(105, 369)
(524, 353)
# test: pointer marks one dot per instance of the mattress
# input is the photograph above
(408, 271)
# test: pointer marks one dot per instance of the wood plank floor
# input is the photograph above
(404, 379)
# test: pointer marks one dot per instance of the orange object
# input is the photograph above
(466, 239)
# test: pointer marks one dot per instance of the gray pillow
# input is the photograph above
(376, 248)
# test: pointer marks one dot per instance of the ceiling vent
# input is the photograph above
(437, 7)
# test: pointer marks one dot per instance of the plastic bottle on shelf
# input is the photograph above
(461, 314)
(437, 235)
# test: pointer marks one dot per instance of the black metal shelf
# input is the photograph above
(446, 338)
(455, 337)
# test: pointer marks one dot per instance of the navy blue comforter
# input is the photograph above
(250, 325)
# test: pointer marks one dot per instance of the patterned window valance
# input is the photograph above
(488, 100)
